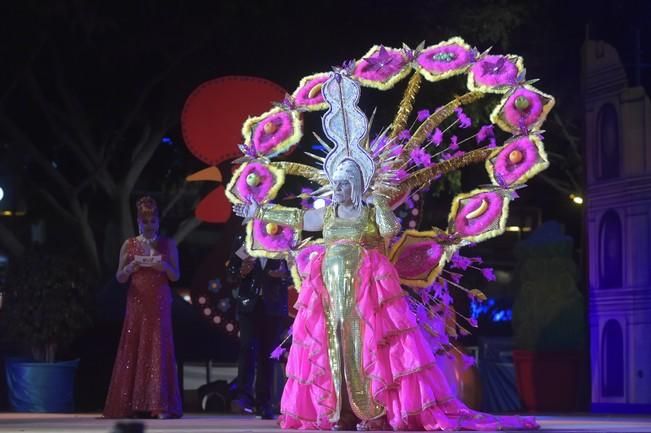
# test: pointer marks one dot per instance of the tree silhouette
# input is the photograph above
(93, 90)
(85, 123)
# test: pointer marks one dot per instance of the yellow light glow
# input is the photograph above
(576, 199)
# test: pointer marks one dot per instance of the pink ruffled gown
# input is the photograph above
(354, 333)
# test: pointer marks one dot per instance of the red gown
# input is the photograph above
(144, 374)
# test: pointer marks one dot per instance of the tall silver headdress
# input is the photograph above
(346, 126)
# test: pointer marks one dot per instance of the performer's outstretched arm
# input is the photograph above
(310, 220)
(313, 220)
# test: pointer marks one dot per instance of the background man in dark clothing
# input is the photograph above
(262, 313)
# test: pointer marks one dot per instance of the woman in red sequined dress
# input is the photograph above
(144, 381)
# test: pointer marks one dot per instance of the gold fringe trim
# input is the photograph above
(406, 105)
(438, 117)
(425, 175)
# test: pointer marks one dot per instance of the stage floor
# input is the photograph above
(194, 423)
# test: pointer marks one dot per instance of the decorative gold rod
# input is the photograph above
(406, 105)
(425, 175)
(434, 120)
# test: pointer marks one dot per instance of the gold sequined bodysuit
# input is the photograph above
(345, 242)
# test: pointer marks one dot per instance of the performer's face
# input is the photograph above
(342, 191)
(346, 177)
(148, 225)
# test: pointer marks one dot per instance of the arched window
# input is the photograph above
(608, 143)
(612, 360)
(610, 251)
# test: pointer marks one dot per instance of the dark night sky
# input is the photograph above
(108, 51)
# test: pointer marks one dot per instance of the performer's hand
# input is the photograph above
(246, 210)
(131, 268)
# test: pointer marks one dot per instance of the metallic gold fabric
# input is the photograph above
(287, 216)
(345, 242)
(386, 220)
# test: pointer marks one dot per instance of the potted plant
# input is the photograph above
(45, 310)
(548, 321)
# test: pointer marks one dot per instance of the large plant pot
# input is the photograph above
(547, 381)
(41, 386)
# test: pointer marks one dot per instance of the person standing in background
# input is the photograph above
(144, 382)
(262, 314)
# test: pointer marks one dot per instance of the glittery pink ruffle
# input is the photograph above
(305, 255)
(404, 374)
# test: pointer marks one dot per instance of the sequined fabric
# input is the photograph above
(286, 216)
(354, 323)
(345, 243)
(144, 374)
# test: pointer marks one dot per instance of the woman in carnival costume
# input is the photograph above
(360, 357)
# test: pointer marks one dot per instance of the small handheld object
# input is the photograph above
(147, 261)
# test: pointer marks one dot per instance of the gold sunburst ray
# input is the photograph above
(321, 159)
(323, 143)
